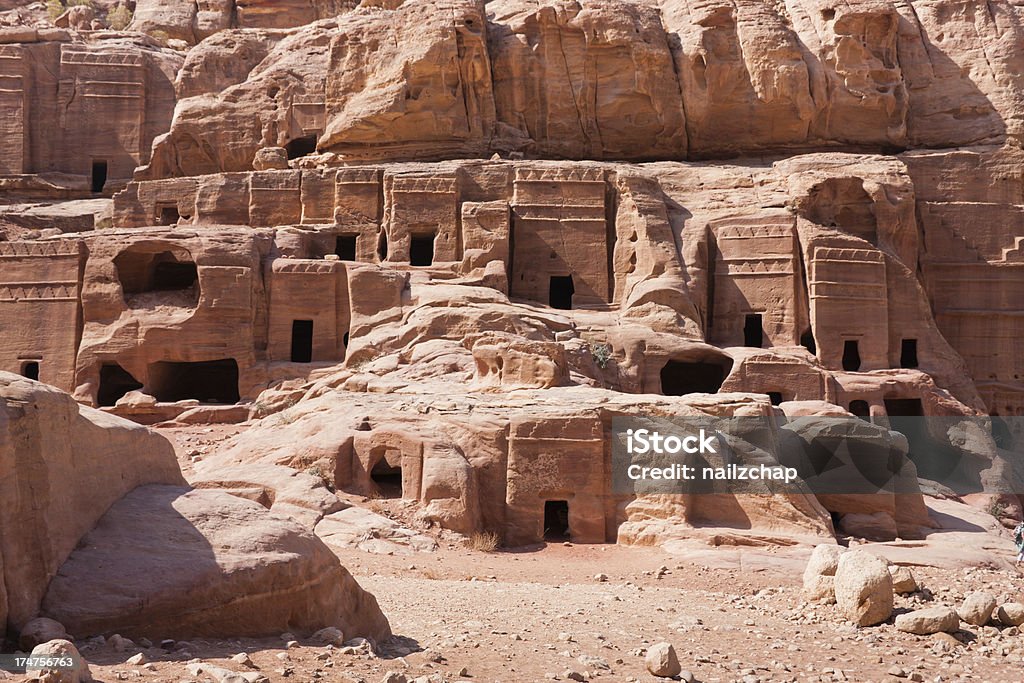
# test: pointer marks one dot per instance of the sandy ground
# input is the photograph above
(543, 613)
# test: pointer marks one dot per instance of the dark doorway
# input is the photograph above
(382, 246)
(115, 382)
(560, 292)
(387, 478)
(807, 341)
(30, 370)
(753, 331)
(345, 247)
(302, 341)
(908, 353)
(421, 250)
(861, 409)
(679, 378)
(301, 147)
(904, 407)
(169, 215)
(99, 175)
(851, 355)
(775, 397)
(207, 381)
(556, 520)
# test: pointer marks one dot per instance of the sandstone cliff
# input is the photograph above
(633, 80)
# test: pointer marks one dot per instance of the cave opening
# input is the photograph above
(115, 382)
(301, 147)
(214, 382)
(163, 271)
(904, 407)
(168, 215)
(679, 378)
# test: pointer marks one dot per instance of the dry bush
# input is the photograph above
(484, 541)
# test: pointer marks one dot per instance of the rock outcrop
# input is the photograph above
(102, 536)
(633, 79)
(51, 451)
(232, 569)
(535, 217)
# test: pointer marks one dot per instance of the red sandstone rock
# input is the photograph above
(522, 215)
(232, 569)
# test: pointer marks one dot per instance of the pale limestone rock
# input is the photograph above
(1010, 614)
(60, 648)
(977, 608)
(927, 621)
(903, 581)
(661, 661)
(863, 588)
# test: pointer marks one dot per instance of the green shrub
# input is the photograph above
(119, 18)
(54, 8)
(602, 353)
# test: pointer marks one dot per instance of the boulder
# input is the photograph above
(903, 581)
(62, 465)
(38, 631)
(661, 661)
(924, 622)
(270, 158)
(1010, 614)
(820, 589)
(819, 584)
(169, 562)
(863, 588)
(78, 672)
(824, 561)
(977, 608)
(330, 636)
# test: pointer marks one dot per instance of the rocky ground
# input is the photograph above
(544, 613)
(572, 612)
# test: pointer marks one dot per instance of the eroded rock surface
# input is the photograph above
(231, 569)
